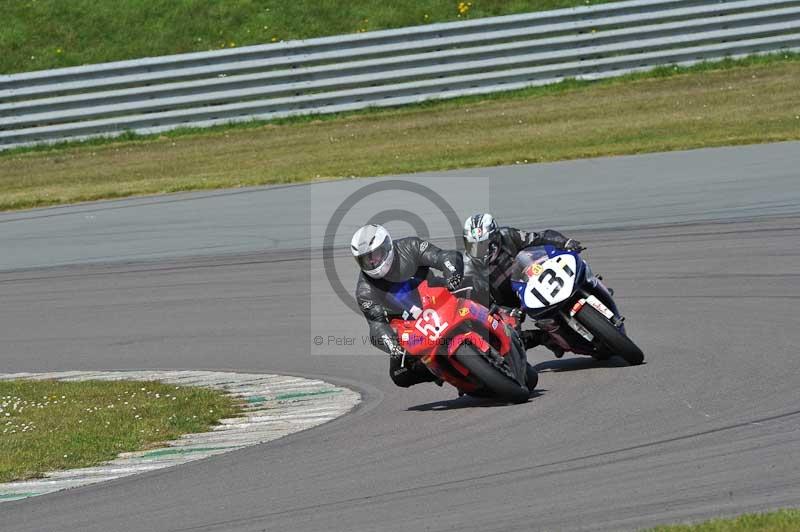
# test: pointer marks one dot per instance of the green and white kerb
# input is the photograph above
(276, 406)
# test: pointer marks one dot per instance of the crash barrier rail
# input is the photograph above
(386, 68)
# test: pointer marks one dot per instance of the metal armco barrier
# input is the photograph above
(386, 68)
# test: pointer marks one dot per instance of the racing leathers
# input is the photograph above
(413, 257)
(497, 267)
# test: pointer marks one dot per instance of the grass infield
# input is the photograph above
(729, 103)
(778, 521)
(41, 34)
(51, 425)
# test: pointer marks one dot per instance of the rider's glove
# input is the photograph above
(398, 356)
(454, 281)
(516, 313)
(397, 350)
(573, 245)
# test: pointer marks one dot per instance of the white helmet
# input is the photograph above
(373, 250)
(480, 236)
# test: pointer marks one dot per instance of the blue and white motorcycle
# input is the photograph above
(559, 292)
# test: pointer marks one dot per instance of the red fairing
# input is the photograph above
(433, 335)
(495, 324)
(432, 327)
(474, 339)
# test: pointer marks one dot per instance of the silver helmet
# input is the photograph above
(480, 236)
(373, 250)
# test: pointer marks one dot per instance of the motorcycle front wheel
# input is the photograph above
(494, 380)
(610, 340)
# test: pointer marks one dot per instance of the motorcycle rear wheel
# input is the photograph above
(611, 341)
(501, 386)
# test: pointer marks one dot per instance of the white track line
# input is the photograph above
(275, 406)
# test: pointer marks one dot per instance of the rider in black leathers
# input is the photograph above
(492, 250)
(382, 268)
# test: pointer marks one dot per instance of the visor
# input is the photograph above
(372, 260)
(478, 250)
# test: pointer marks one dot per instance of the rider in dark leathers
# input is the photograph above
(498, 266)
(407, 258)
(492, 250)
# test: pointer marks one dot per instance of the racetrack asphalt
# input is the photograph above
(701, 247)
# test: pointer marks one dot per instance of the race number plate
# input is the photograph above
(553, 284)
(430, 324)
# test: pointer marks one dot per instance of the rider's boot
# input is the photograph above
(556, 349)
(550, 326)
(533, 337)
(408, 372)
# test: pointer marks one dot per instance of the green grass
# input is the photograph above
(735, 102)
(41, 34)
(51, 425)
(779, 521)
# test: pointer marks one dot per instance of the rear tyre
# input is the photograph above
(500, 385)
(609, 339)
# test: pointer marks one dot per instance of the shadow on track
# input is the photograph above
(579, 363)
(467, 401)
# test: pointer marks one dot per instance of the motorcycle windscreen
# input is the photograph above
(541, 279)
(522, 269)
(404, 297)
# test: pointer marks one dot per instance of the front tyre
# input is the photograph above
(532, 378)
(494, 380)
(609, 340)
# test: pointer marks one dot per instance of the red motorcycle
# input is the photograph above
(465, 344)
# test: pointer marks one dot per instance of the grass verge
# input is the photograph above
(779, 521)
(43, 34)
(51, 425)
(729, 103)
